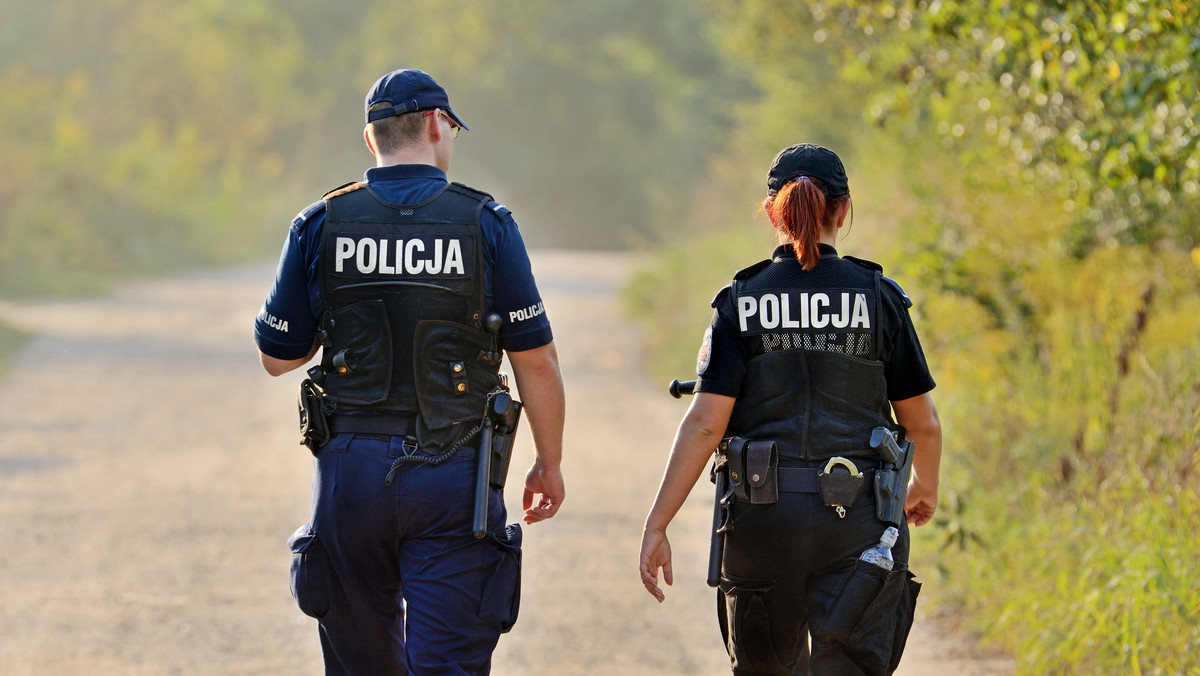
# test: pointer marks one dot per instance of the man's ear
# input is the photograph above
(367, 139)
(435, 136)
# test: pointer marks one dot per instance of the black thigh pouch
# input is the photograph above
(872, 615)
(501, 596)
(746, 626)
(312, 575)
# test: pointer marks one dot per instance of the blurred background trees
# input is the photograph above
(138, 136)
(1028, 171)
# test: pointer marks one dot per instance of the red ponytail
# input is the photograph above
(802, 213)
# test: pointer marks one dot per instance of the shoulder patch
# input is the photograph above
(746, 273)
(477, 194)
(903, 296)
(717, 298)
(345, 188)
(308, 212)
(870, 265)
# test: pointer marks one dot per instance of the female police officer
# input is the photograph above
(807, 353)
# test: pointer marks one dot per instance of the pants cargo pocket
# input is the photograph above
(905, 611)
(868, 615)
(746, 626)
(311, 574)
(501, 598)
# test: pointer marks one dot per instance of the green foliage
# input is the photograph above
(670, 298)
(1045, 225)
(1099, 98)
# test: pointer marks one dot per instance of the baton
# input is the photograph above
(678, 387)
(483, 479)
(716, 544)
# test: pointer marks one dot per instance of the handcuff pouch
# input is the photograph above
(839, 489)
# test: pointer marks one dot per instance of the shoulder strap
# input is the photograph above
(747, 273)
(870, 265)
(464, 189)
(345, 188)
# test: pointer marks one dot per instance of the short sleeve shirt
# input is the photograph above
(289, 318)
(722, 364)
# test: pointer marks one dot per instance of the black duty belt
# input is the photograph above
(395, 425)
(804, 480)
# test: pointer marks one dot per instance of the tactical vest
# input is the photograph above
(814, 383)
(403, 289)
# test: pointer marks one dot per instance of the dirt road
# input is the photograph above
(150, 476)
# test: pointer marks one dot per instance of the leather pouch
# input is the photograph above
(762, 461)
(838, 488)
(752, 468)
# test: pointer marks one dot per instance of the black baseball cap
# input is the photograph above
(408, 90)
(814, 161)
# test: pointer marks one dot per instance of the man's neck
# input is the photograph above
(419, 155)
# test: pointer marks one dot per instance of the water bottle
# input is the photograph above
(881, 554)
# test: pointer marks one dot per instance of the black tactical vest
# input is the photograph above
(404, 294)
(814, 383)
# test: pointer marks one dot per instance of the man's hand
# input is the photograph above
(548, 483)
(656, 553)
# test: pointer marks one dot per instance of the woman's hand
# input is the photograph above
(920, 504)
(656, 553)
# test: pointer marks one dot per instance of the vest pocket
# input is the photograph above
(452, 380)
(358, 368)
(311, 574)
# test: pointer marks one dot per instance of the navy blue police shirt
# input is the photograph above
(723, 361)
(288, 321)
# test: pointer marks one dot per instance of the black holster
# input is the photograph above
(314, 412)
(891, 481)
(497, 433)
(752, 468)
(504, 436)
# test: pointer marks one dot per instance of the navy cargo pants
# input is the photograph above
(393, 573)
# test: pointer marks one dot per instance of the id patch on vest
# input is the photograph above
(417, 256)
(826, 320)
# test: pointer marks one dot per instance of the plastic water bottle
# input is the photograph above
(881, 554)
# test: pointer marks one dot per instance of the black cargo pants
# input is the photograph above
(785, 565)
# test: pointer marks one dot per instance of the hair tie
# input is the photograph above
(801, 178)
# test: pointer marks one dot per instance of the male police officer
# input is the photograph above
(399, 279)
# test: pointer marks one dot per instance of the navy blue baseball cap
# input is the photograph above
(408, 90)
(813, 161)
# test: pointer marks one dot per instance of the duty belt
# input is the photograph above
(804, 480)
(396, 425)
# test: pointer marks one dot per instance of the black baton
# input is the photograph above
(483, 479)
(678, 387)
(716, 544)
